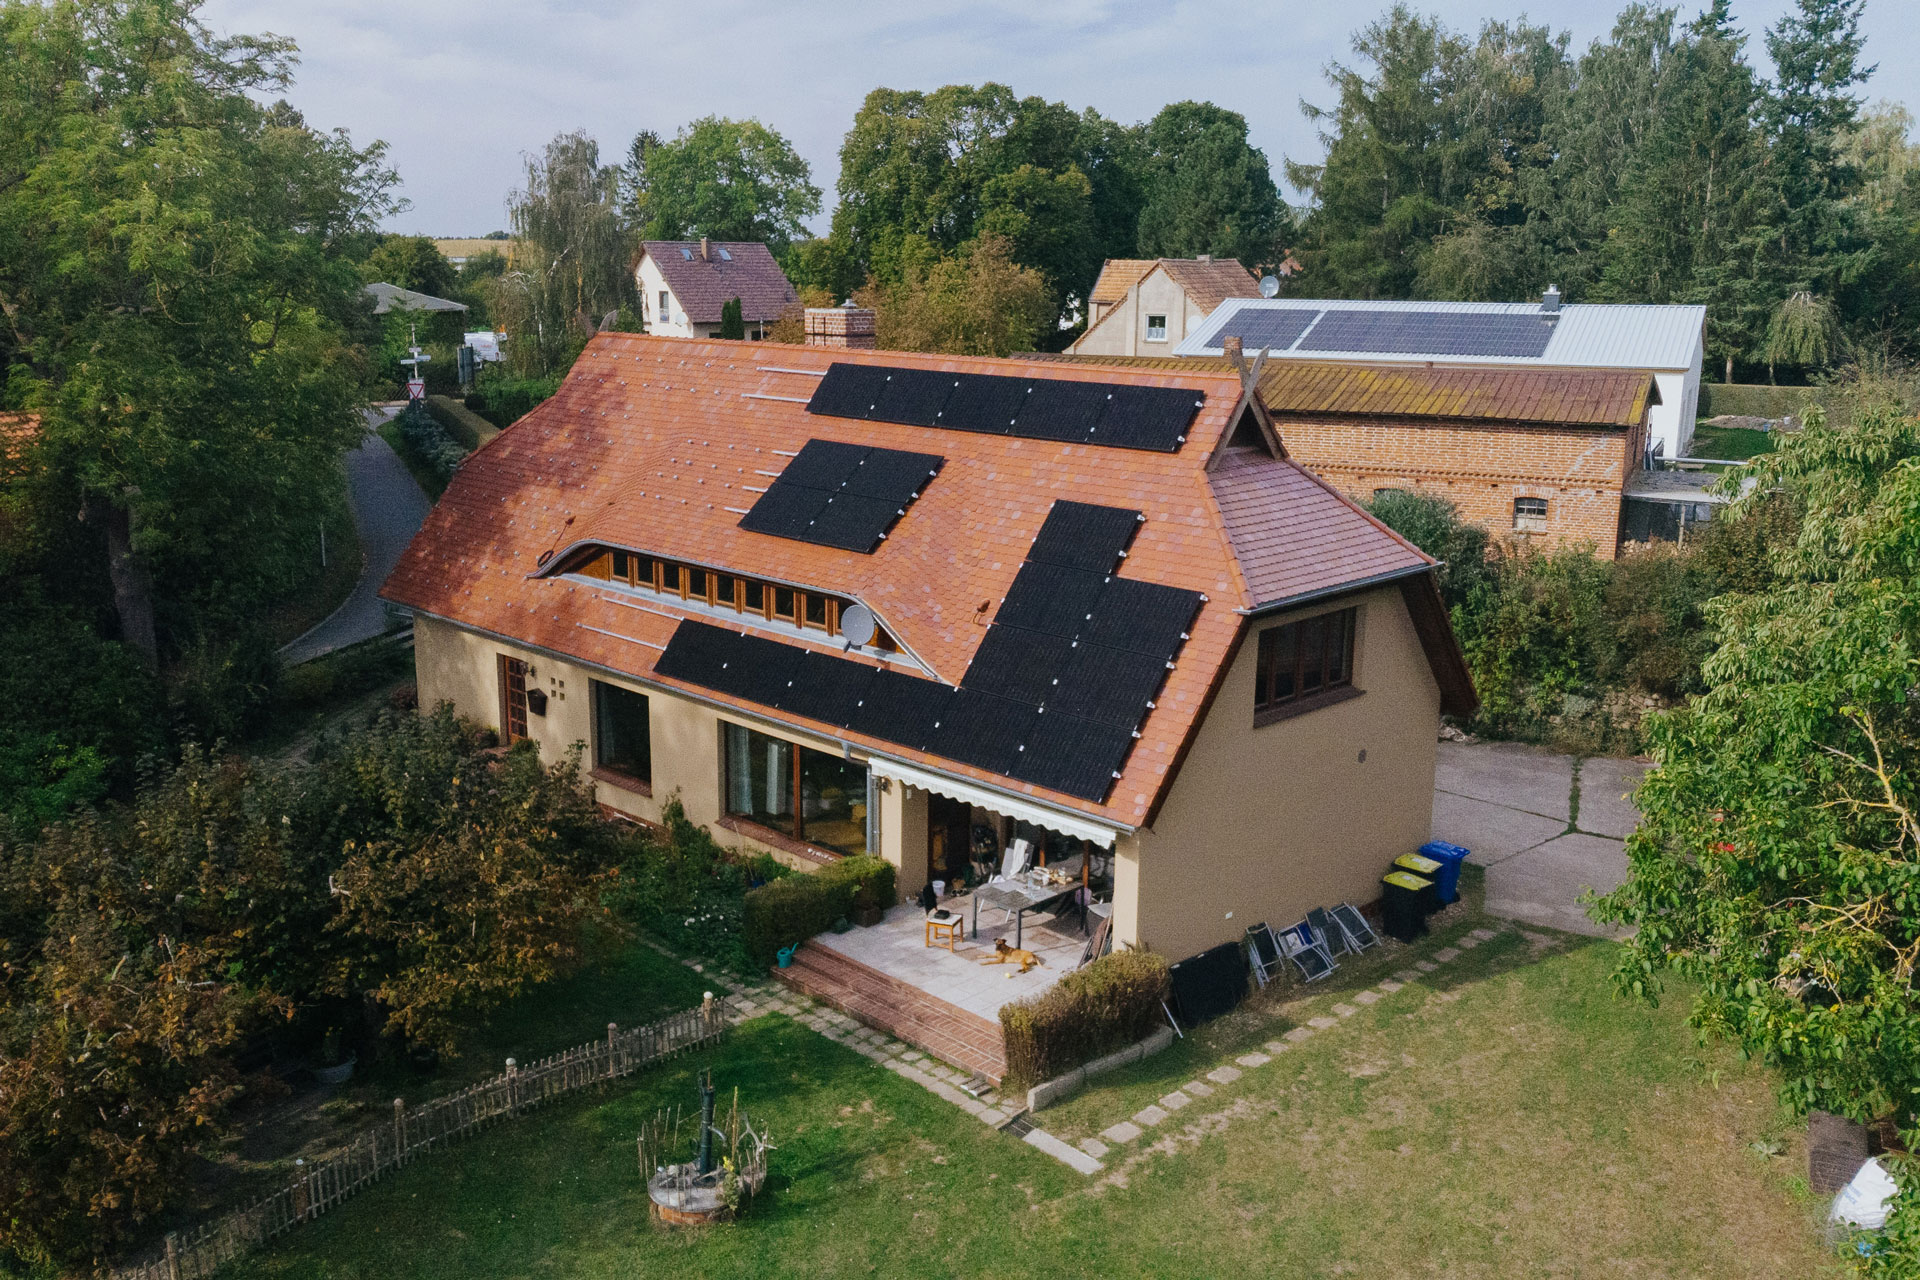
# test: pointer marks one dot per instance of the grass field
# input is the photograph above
(1510, 1118)
(1734, 444)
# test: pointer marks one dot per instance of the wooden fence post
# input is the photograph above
(299, 1190)
(613, 1067)
(173, 1255)
(399, 1132)
(513, 1087)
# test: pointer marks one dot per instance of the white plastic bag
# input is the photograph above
(1863, 1203)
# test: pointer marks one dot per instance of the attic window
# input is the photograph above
(724, 254)
(1156, 328)
(686, 254)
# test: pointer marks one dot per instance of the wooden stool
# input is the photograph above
(948, 929)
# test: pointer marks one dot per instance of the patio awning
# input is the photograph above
(1053, 819)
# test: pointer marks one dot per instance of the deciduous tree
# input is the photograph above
(728, 179)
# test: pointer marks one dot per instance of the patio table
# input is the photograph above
(1018, 897)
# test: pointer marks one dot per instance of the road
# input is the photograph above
(388, 508)
(1513, 805)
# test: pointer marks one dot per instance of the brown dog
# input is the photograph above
(1004, 954)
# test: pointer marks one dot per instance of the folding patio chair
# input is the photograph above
(1308, 951)
(1360, 934)
(1330, 936)
(1263, 953)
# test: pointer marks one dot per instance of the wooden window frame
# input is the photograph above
(507, 667)
(1529, 521)
(1329, 690)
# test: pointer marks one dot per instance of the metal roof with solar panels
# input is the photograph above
(1055, 694)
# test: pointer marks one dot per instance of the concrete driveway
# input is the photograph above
(1546, 827)
(388, 509)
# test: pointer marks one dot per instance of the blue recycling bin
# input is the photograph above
(1449, 856)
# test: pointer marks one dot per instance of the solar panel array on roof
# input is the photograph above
(841, 495)
(1062, 409)
(1440, 333)
(1053, 696)
(1272, 330)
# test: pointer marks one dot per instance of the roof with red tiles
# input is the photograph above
(18, 432)
(1208, 281)
(745, 270)
(657, 445)
(1546, 397)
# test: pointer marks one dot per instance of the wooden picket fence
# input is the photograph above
(323, 1185)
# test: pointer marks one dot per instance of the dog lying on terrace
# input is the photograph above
(1004, 954)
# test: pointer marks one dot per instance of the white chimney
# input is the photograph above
(1550, 301)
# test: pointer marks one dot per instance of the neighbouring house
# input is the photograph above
(464, 249)
(1146, 306)
(1547, 455)
(840, 601)
(684, 284)
(1666, 340)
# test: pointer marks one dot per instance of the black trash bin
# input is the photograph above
(1427, 869)
(1403, 904)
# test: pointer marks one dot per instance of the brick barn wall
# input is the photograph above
(1482, 469)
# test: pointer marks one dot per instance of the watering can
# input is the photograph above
(786, 955)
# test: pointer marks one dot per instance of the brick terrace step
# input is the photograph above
(948, 1032)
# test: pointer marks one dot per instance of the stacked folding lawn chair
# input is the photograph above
(1307, 948)
(1359, 934)
(1263, 953)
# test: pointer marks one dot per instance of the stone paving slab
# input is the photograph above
(1072, 1157)
(1365, 997)
(1425, 966)
(1224, 1075)
(1194, 1089)
(1093, 1147)
(1345, 1010)
(1301, 1033)
(1322, 1022)
(1251, 1060)
(1276, 1047)
(1446, 955)
(1147, 1117)
(1389, 986)
(1175, 1100)
(1125, 1131)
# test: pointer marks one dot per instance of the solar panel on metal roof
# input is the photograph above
(1055, 409)
(1440, 333)
(1154, 418)
(1112, 686)
(1144, 617)
(1078, 757)
(912, 396)
(848, 390)
(1046, 597)
(841, 495)
(1016, 663)
(1079, 535)
(984, 730)
(1261, 328)
(984, 402)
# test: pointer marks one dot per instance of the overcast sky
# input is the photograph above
(459, 89)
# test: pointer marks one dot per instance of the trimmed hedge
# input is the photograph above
(503, 401)
(460, 422)
(1753, 400)
(430, 443)
(793, 909)
(1105, 1006)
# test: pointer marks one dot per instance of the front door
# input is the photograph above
(513, 698)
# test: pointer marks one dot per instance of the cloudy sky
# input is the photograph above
(461, 88)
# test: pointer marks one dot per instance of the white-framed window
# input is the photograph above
(1156, 328)
(666, 309)
(1530, 515)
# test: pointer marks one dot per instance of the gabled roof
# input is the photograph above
(1208, 281)
(742, 269)
(391, 297)
(659, 445)
(1547, 397)
(1582, 335)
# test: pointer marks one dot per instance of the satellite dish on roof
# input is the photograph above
(1269, 286)
(856, 624)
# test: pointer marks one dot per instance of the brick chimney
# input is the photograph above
(847, 326)
(706, 251)
(1231, 348)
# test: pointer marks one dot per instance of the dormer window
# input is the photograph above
(1156, 328)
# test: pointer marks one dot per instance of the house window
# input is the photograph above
(1156, 328)
(795, 790)
(513, 698)
(1530, 515)
(666, 311)
(622, 732)
(1303, 662)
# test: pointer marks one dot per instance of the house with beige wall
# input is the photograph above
(1147, 306)
(684, 284)
(1093, 607)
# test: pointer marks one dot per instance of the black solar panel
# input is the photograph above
(1154, 418)
(912, 396)
(1111, 686)
(759, 670)
(1055, 409)
(1046, 597)
(1142, 617)
(901, 708)
(1065, 409)
(842, 495)
(1078, 535)
(983, 730)
(984, 402)
(1074, 756)
(823, 687)
(1438, 333)
(697, 654)
(1016, 663)
(848, 390)
(1260, 328)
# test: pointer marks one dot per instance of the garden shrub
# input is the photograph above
(468, 428)
(430, 443)
(689, 892)
(1107, 1005)
(504, 400)
(792, 910)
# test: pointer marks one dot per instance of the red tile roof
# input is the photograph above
(657, 443)
(704, 285)
(1208, 283)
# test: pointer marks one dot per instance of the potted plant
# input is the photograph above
(336, 1060)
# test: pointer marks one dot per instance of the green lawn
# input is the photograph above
(1512, 1118)
(1734, 444)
